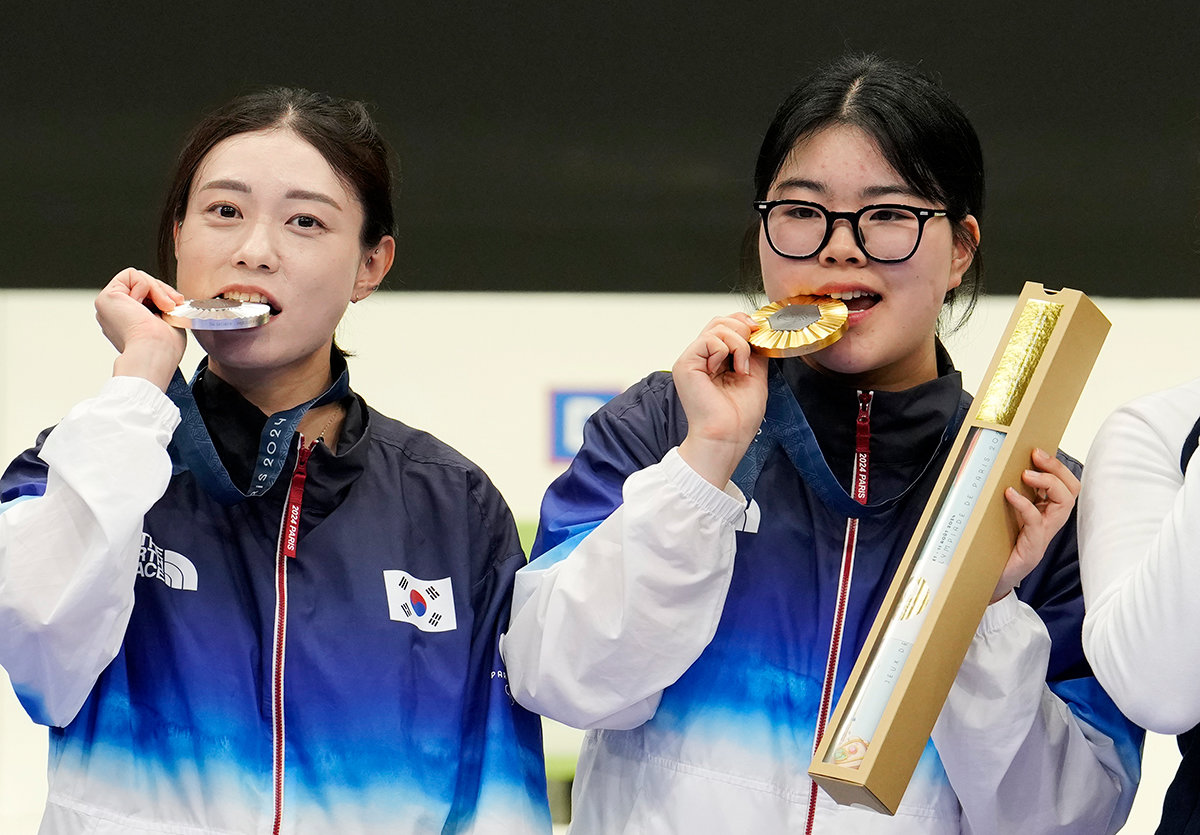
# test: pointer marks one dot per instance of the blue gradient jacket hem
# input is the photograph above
(689, 629)
(152, 657)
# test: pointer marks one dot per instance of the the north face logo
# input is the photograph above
(172, 568)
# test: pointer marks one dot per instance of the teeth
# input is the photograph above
(852, 294)
(237, 296)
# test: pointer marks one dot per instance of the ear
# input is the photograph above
(175, 233)
(963, 254)
(375, 264)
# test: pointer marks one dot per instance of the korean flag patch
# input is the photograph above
(426, 604)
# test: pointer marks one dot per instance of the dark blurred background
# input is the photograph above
(607, 147)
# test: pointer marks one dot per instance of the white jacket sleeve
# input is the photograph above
(69, 558)
(601, 625)
(1016, 755)
(1139, 536)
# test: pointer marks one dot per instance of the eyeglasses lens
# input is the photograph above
(886, 233)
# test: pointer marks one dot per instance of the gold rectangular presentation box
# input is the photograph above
(958, 551)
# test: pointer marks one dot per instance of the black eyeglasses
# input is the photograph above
(885, 232)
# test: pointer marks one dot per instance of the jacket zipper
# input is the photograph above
(289, 535)
(858, 488)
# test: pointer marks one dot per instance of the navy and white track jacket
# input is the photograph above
(195, 680)
(703, 638)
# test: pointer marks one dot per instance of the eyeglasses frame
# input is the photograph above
(764, 208)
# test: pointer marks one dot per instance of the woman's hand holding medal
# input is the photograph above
(723, 387)
(127, 312)
(722, 376)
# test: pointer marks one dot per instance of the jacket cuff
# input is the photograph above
(142, 395)
(728, 505)
(999, 614)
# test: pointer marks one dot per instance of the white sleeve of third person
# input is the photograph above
(1139, 538)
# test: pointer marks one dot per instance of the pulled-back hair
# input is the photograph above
(341, 130)
(920, 131)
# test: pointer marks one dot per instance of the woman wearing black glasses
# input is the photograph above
(702, 627)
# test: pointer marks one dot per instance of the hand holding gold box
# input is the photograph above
(958, 551)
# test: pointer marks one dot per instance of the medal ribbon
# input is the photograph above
(192, 447)
(860, 480)
(785, 425)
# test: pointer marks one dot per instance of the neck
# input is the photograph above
(324, 423)
(278, 389)
(910, 371)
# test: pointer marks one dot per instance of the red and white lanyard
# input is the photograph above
(858, 489)
(289, 535)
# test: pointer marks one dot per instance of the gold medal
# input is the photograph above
(217, 314)
(798, 325)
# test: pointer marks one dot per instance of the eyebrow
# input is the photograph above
(884, 191)
(868, 193)
(302, 194)
(292, 194)
(225, 185)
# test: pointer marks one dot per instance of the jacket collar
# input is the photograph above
(235, 426)
(905, 425)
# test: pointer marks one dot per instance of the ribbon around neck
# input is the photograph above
(192, 446)
(784, 425)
